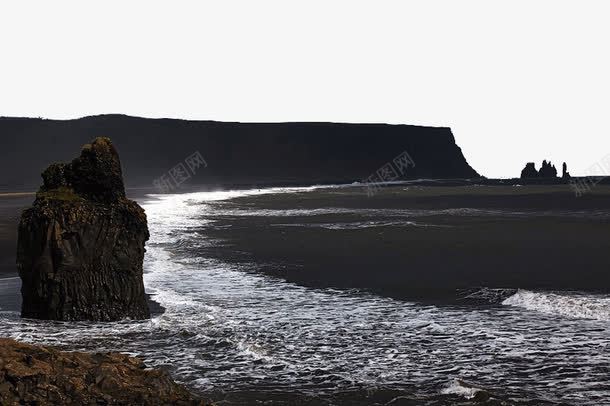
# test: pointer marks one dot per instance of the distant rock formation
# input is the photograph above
(81, 246)
(529, 171)
(34, 375)
(564, 173)
(547, 170)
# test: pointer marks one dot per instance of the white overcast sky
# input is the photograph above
(517, 81)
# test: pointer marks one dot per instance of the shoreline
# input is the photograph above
(537, 237)
(398, 197)
(188, 187)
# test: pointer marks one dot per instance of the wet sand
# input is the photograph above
(534, 237)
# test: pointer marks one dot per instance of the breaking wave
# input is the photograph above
(571, 305)
(461, 388)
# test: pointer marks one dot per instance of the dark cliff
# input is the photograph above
(234, 153)
(80, 247)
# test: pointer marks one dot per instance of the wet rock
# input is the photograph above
(54, 377)
(81, 246)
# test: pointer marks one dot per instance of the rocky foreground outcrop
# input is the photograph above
(81, 246)
(35, 375)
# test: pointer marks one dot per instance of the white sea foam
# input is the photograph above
(357, 225)
(460, 388)
(566, 305)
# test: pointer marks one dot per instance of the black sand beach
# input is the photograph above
(426, 241)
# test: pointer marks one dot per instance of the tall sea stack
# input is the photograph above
(81, 246)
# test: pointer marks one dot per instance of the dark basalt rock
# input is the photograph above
(564, 173)
(81, 246)
(236, 154)
(96, 174)
(34, 375)
(529, 171)
(547, 170)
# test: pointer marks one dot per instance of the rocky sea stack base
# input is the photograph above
(81, 246)
(33, 375)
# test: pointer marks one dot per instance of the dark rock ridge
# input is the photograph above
(236, 153)
(35, 375)
(529, 171)
(564, 173)
(547, 170)
(80, 247)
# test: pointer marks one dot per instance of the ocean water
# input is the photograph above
(231, 333)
